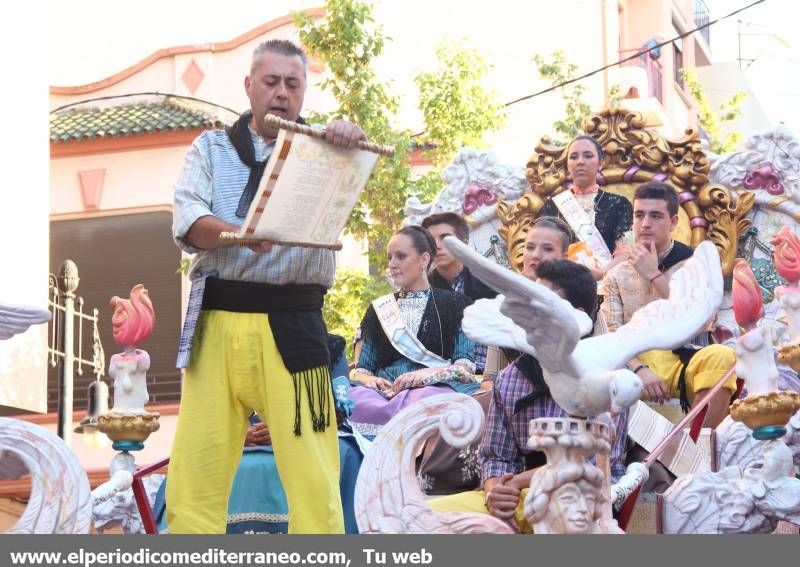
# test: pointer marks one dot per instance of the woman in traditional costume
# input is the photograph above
(610, 215)
(412, 345)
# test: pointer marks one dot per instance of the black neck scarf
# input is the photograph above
(242, 141)
(679, 253)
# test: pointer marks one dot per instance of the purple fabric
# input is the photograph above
(788, 380)
(372, 410)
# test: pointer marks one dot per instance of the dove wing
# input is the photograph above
(695, 294)
(552, 326)
(15, 319)
(484, 323)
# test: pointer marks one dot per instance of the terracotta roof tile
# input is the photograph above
(80, 124)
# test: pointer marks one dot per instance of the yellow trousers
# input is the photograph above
(475, 501)
(236, 368)
(707, 366)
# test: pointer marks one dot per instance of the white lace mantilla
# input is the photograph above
(369, 429)
(412, 306)
(257, 517)
(587, 203)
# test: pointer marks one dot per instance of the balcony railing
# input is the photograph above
(701, 18)
(654, 74)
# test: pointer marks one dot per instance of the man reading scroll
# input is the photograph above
(255, 322)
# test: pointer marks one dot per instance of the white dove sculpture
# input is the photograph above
(588, 377)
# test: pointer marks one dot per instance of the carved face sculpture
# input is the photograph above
(574, 508)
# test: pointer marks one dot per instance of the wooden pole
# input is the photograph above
(277, 122)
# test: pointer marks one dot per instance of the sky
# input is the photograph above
(769, 39)
(98, 39)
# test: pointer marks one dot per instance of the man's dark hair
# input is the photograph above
(660, 191)
(577, 282)
(281, 47)
(459, 225)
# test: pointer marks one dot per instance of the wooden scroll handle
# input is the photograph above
(277, 122)
(234, 239)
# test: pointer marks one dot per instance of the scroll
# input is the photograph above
(308, 190)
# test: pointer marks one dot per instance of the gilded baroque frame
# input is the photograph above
(634, 155)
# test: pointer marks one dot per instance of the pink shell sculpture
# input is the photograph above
(787, 255)
(476, 197)
(748, 304)
(763, 178)
(133, 318)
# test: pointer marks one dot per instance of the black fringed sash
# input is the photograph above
(295, 317)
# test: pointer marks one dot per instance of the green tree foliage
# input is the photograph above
(711, 120)
(348, 40)
(558, 70)
(347, 301)
(457, 107)
(456, 110)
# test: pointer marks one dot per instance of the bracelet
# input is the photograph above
(655, 277)
(638, 368)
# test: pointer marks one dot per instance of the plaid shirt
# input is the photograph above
(505, 437)
(625, 291)
(211, 183)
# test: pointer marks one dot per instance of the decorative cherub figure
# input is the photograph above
(133, 321)
(787, 262)
(755, 359)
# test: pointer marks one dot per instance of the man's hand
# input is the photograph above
(654, 389)
(262, 247)
(645, 260)
(257, 434)
(502, 498)
(344, 134)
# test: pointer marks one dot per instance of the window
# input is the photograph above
(677, 54)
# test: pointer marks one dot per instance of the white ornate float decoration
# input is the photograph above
(755, 498)
(768, 170)
(388, 498)
(60, 501)
(128, 424)
(475, 184)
